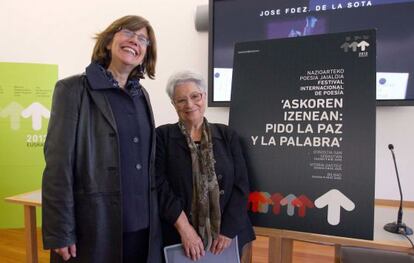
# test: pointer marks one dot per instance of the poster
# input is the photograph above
(25, 100)
(305, 110)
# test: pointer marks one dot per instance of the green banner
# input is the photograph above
(25, 100)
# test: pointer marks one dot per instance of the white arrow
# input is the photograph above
(13, 112)
(334, 199)
(363, 45)
(36, 111)
(288, 201)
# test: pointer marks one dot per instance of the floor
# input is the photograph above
(12, 249)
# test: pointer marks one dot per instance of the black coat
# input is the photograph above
(81, 193)
(175, 183)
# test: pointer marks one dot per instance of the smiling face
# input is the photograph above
(190, 103)
(126, 50)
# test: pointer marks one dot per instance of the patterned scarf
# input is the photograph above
(205, 206)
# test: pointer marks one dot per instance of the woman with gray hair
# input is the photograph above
(201, 176)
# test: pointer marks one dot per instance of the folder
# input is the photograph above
(175, 254)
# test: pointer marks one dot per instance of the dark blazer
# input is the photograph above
(81, 194)
(175, 183)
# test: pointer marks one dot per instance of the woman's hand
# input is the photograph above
(66, 252)
(192, 243)
(193, 246)
(220, 244)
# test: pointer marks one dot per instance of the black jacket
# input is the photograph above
(81, 193)
(174, 181)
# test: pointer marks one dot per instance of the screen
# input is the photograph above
(233, 21)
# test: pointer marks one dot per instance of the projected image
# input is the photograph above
(244, 20)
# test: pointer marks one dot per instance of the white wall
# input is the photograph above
(61, 32)
(395, 125)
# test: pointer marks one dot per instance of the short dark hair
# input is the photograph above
(103, 56)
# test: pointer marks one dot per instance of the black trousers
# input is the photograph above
(135, 246)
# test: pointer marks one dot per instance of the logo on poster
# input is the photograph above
(259, 202)
(14, 111)
(357, 44)
(334, 200)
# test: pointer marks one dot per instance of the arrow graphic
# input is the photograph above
(36, 111)
(334, 199)
(363, 45)
(345, 46)
(354, 46)
(256, 198)
(288, 201)
(276, 198)
(13, 112)
(264, 206)
(302, 202)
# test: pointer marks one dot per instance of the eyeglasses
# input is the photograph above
(143, 41)
(194, 97)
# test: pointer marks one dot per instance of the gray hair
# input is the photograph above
(182, 77)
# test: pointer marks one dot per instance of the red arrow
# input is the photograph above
(302, 202)
(276, 202)
(255, 198)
